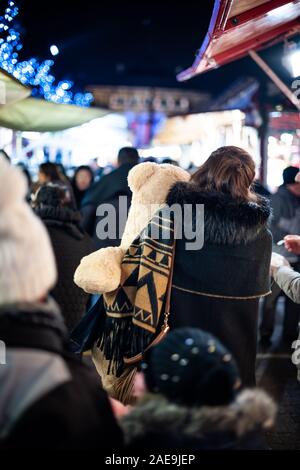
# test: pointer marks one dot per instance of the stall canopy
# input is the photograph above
(238, 26)
(20, 112)
(42, 116)
(11, 90)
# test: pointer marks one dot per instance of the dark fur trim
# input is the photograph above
(227, 221)
(252, 410)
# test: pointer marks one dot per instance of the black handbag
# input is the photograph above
(89, 329)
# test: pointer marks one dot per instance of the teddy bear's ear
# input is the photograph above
(140, 173)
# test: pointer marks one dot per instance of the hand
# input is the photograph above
(139, 385)
(118, 408)
(277, 261)
(292, 243)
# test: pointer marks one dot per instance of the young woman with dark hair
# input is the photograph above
(217, 288)
(82, 180)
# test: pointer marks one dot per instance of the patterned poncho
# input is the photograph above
(134, 311)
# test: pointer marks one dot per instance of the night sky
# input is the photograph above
(128, 43)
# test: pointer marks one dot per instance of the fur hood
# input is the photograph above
(253, 410)
(227, 221)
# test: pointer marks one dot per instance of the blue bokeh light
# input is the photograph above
(32, 71)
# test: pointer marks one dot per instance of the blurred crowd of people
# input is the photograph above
(192, 387)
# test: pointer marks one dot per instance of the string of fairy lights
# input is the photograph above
(33, 72)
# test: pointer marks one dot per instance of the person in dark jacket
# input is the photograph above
(218, 287)
(285, 205)
(193, 401)
(82, 180)
(49, 399)
(285, 220)
(54, 205)
(107, 191)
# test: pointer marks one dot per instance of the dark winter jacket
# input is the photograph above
(107, 191)
(285, 214)
(217, 288)
(78, 194)
(49, 399)
(285, 219)
(160, 425)
(70, 244)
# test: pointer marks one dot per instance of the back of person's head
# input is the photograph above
(229, 170)
(49, 172)
(54, 195)
(150, 159)
(128, 155)
(170, 161)
(289, 174)
(27, 262)
(191, 367)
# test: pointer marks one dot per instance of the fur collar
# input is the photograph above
(251, 411)
(227, 221)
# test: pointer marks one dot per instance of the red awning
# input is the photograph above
(238, 26)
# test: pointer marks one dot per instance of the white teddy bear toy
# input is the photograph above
(100, 272)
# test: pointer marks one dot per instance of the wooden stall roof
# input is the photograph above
(238, 26)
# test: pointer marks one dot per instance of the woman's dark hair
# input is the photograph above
(229, 170)
(51, 171)
(128, 155)
(86, 168)
(54, 195)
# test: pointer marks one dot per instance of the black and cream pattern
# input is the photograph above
(135, 308)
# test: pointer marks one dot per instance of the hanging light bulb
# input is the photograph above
(291, 58)
(295, 63)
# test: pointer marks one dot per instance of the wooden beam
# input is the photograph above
(275, 79)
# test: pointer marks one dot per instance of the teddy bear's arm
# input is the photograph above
(100, 271)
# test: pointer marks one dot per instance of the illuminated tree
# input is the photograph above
(33, 72)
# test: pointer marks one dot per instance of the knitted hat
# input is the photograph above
(289, 175)
(191, 367)
(27, 265)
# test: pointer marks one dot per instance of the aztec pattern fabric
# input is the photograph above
(135, 308)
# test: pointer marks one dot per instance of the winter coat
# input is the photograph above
(285, 214)
(107, 191)
(159, 425)
(217, 288)
(49, 399)
(70, 244)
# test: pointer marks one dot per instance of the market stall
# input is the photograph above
(238, 28)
